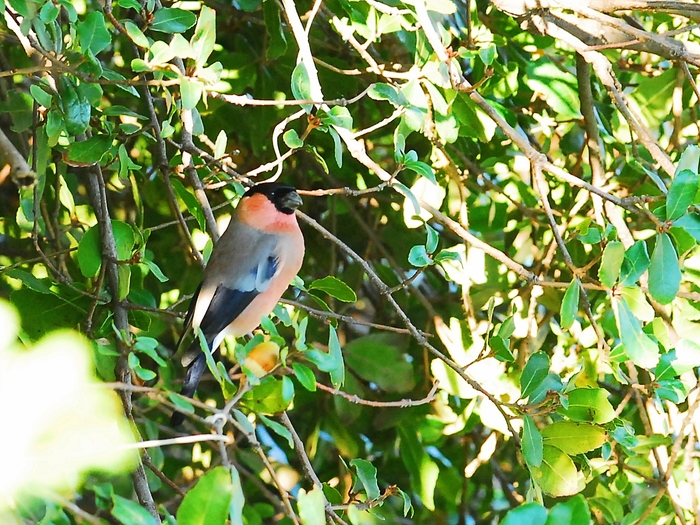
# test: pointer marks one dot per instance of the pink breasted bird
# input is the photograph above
(250, 267)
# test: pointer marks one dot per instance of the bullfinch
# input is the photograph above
(250, 267)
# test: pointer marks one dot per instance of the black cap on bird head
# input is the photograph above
(283, 196)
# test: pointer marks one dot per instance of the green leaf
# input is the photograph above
(689, 159)
(573, 438)
(381, 91)
(301, 85)
(610, 265)
(278, 429)
(487, 54)
(557, 476)
(172, 20)
(88, 152)
(418, 256)
(532, 443)
(664, 271)
(638, 345)
(681, 193)
(305, 376)
(277, 44)
(28, 280)
(338, 116)
(569, 305)
(421, 168)
(367, 474)
(378, 358)
(335, 288)
(155, 270)
(93, 33)
(424, 471)
(312, 506)
(207, 503)
(527, 514)
(292, 140)
(42, 97)
(271, 396)
(191, 91)
(90, 247)
(237, 499)
(431, 243)
(136, 34)
(558, 87)
(131, 513)
(635, 264)
(501, 348)
(690, 222)
(337, 147)
(204, 37)
(534, 372)
(589, 404)
(181, 403)
(190, 201)
(572, 512)
(74, 105)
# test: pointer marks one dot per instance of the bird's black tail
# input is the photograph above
(194, 374)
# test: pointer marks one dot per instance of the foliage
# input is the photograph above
(496, 316)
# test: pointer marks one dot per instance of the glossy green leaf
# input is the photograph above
(531, 443)
(292, 140)
(190, 201)
(689, 159)
(610, 265)
(573, 438)
(335, 288)
(635, 264)
(277, 44)
(527, 514)
(378, 358)
(172, 20)
(278, 429)
(638, 345)
(664, 271)
(90, 247)
(131, 513)
(424, 471)
(74, 105)
(557, 476)
(418, 256)
(589, 404)
(312, 509)
(690, 222)
(204, 37)
(331, 361)
(191, 91)
(380, 91)
(207, 503)
(301, 84)
(136, 34)
(681, 193)
(305, 376)
(271, 396)
(557, 87)
(421, 168)
(536, 369)
(569, 305)
(93, 33)
(88, 152)
(575, 511)
(367, 474)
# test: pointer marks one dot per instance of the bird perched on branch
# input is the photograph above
(250, 267)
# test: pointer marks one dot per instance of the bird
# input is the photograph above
(250, 267)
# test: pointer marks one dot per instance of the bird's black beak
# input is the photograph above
(291, 200)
